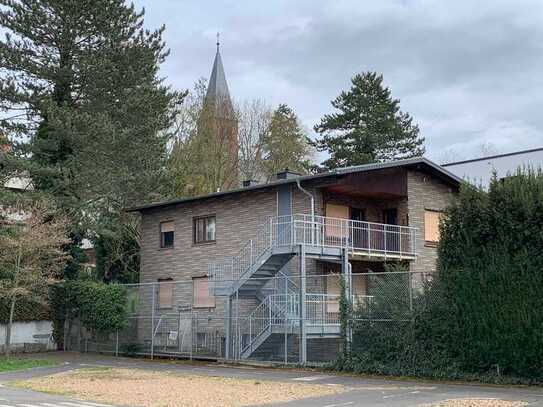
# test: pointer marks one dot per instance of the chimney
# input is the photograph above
(249, 183)
(287, 174)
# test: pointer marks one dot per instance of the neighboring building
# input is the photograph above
(479, 171)
(241, 259)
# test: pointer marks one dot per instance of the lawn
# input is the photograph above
(8, 365)
(136, 387)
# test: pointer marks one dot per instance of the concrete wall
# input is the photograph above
(33, 336)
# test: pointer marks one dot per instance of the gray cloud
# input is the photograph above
(469, 72)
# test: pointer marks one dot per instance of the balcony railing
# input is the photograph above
(365, 238)
(359, 238)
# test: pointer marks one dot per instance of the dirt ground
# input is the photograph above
(479, 403)
(167, 389)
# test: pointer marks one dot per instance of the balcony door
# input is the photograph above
(359, 230)
(391, 240)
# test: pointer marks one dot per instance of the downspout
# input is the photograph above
(310, 195)
(312, 198)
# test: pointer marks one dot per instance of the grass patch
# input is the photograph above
(11, 364)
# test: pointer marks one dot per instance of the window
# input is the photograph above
(166, 234)
(200, 295)
(431, 226)
(165, 293)
(204, 229)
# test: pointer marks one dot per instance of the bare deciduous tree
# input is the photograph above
(31, 256)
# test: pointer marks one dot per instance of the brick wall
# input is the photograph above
(425, 192)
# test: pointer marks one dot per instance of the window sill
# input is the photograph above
(167, 248)
(203, 307)
(431, 244)
(204, 243)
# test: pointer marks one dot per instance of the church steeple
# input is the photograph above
(217, 89)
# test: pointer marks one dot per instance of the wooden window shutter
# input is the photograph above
(336, 228)
(431, 225)
(166, 227)
(165, 293)
(201, 297)
(333, 287)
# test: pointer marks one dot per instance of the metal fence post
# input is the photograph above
(153, 287)
(117, 343)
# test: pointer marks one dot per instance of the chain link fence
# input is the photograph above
(291, 319)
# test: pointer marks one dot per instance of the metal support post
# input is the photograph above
(347, 278)
(303, 333)
(228, 344)
(117, 343)
(153, 287)
(285, 322)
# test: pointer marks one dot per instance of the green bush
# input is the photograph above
(100, 307)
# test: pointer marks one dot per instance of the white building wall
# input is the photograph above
(479, 171)
(33, 336)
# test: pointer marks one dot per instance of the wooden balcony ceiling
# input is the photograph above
(381, 184)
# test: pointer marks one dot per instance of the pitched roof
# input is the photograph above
(415, 162)
(217, 89)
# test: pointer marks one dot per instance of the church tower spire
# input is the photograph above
(217, 89)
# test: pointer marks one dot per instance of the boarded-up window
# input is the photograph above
(166, 234)
(336, 227)
(201, 297)
(359, 284)
(333, 289)
(165, 293)
(431, 225)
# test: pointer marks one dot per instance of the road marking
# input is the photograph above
(349, 403)
(311, 378)
(28, 405)
(90, 403)
(84, 404)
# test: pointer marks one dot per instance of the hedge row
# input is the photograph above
(481, 315)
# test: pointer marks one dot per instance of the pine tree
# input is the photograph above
(80, 93)
(285, 144)
(368, 127)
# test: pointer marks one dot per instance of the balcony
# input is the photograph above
(361, 239)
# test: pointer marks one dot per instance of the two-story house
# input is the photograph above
(252, 263)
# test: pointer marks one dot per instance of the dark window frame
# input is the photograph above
(162, 235)
(195, 222)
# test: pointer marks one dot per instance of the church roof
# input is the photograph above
(217, 88)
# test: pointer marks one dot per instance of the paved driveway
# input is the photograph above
(362, 391)
(10, 397)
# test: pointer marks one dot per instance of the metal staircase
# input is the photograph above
(248, 273)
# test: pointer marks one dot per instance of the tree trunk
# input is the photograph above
(8, 328)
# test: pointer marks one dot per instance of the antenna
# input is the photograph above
(218, 42)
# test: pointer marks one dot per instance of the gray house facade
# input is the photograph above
(254, 273)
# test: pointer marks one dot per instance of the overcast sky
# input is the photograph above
(469, 72)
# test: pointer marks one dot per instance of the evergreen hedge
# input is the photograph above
(100, 307)
(481, 316)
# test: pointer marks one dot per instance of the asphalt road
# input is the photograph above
(362, 391)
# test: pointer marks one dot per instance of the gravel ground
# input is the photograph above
(135, 387)
(479, 403)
